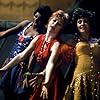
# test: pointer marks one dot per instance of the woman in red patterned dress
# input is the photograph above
(45, 49)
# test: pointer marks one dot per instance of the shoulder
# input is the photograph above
(35, 39)
(55, 46)
(55, 42)
(23, 23)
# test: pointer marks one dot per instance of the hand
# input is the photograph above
(36, 80)
(26, 76)
(25, 82)
(44, 93)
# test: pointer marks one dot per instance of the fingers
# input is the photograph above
(35, 82)
(41, 73)
(44, 93)
(32, 83)
(38, 74)
(33, 79)
(25, 82)
(28, 73)
(35, 74)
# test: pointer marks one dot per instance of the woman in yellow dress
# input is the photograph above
(85, 82)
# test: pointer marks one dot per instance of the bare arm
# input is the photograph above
(21, 56)
(51, 62)
(8, 31)
(49, 69)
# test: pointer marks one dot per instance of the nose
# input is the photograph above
(55, 23)
(35, 18)
(82, 23)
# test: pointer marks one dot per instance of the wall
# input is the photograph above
(59, 4)
(23, 9)
(17, 9)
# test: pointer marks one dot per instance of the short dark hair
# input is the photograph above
(45, 11)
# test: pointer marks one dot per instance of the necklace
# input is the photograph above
(42, 50)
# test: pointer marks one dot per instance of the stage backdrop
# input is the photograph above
(23, 9)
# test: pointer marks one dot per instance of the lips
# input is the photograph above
(52, 27)
(82, 27)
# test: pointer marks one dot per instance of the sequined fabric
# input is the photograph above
(85, 84)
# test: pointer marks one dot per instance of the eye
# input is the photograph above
(60, 24)
(79, 21)
(85, 21)
(36, 15)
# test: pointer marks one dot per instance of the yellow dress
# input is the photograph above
(85, 84)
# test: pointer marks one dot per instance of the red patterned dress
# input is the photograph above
(41, 57)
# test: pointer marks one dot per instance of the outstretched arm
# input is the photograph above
(49, 69)
(13, 29)
(21, 56)
(51, 62)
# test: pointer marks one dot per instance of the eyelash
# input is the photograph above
(58, 22)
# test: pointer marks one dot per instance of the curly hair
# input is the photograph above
(82, 13)
(45, 11)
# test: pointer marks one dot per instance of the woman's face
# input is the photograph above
(37, 19)
(55, 25)
(83, 25)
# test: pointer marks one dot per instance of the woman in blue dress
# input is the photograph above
(27, 30)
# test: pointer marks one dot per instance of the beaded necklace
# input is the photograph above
(42, 50)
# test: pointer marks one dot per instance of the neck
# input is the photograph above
(48, 36)
(84, 37)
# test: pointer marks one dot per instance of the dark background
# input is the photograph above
(92, 5)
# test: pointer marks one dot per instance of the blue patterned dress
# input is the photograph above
(10, 78)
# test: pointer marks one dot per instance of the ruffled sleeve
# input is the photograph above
(66, 54)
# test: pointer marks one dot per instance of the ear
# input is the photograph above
(46, 26)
